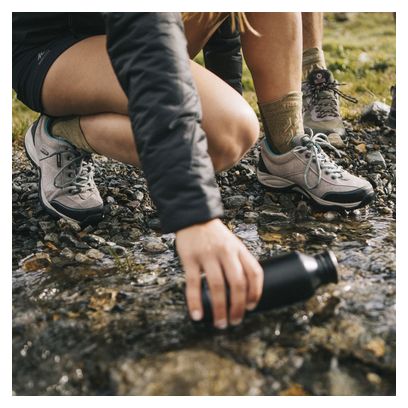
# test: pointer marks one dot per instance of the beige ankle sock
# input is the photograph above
(313, 58)
(282, 120)
(70, 130)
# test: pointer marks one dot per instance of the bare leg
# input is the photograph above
(312, 24)
(73, 86)
(274, 58)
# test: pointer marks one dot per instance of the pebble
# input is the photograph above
(47, 226)
(376, 158)
(336, 140)
(94, 254)
(35, 262)
(235, 201)
(67, 253)
(250, 217)
(361, 148)
(81, 258)
(94, 240)
(376, 113)
(52, 237)
(68, 225)
(268, 216)
(154, 246)
(321, 235)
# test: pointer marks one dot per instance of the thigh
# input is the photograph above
(82, 81)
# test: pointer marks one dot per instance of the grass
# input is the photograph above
(360, 52)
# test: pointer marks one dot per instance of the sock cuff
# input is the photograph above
(287, 102)
(313, 56)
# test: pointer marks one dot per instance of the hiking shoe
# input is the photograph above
(321, 109)
(66, 186)
(309, 170)
(392, 117)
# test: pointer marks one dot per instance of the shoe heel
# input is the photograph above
(29, 146)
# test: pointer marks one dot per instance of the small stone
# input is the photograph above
(250, 217)
(330, 215)
(376, 346)
(320, 234)
(154, 246)
(299, 237)
(110, 200)
(336, 140)
(374, 378)
(376, 113)
(268, 216)
(68, 225)
(35, 262)
(47, 226)
(293, 390)
(94, 240)
(52, 237)
(235, 201)
(135, 234)
(67, 253)
(361, 148)
(94, 254)
(81, 258)
(375, 158)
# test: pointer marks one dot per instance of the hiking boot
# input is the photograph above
(66, 186)
(392, 117)
(321, 109)
(308, 170)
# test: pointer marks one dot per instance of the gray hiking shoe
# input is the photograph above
(309, 170)
(321, 110)
(66, 186)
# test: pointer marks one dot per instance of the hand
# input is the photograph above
(212, 248)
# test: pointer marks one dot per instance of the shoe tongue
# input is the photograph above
(320, 77)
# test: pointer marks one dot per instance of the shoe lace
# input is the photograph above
(80, 178)
(326, 102)
(313, 145)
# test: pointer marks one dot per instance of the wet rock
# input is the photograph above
(186, 372)
(35, 262)
(336, 140)
(94, 254)
(154, 245)
(375, 158)
(376, 113)
(235, 201)
(268, 216)
(319, 234)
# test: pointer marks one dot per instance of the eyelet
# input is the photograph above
(333, 177)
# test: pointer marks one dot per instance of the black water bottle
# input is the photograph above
(288, 279)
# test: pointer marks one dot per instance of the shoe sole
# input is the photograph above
(281, 185)
(32, 156)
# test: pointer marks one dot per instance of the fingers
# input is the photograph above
(215, 280)
(237, 283)
(254, 275)
(193, 289)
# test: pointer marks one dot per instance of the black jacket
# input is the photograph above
(149, 55)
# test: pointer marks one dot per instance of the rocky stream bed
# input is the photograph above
(101, 310)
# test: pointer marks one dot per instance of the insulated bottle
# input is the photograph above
(288, 279)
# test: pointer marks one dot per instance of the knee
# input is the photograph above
(236, 139)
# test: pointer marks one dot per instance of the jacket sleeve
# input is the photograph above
(149, 55)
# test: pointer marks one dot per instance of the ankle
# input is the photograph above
(282, 121)
(313, 58)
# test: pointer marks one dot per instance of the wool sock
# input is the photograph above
(282, 121)
(70, 129)
(313, 58)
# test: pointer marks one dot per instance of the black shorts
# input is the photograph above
(31, 63)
